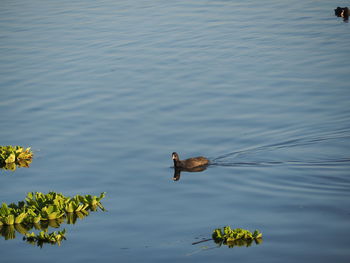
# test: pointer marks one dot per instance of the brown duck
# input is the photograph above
(190, 163)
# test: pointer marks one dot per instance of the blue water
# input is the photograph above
(105, 91)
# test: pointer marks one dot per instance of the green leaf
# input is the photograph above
(11, 158)
(20, 218)
(9, 220)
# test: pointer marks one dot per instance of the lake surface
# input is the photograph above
(105, 91)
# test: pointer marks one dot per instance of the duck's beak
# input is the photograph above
(173, 156)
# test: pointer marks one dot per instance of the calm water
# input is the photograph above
(104, 91)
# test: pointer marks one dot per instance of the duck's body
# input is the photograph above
(189, 163)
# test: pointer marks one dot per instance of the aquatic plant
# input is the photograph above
(38, 200)
(41, 211)
(75, 205)
(41, 207)
(10, 215)
(42, 238)
(236, 237)
(13, 156)
(51, 212)
(92, 201)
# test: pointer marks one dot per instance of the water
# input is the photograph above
(104, 92)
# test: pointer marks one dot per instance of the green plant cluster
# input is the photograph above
(236, 237)
(38, 207)
(41, 211)
(13, 156)
(42, 238)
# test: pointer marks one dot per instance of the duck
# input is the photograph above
(342, 12)
(190, 163)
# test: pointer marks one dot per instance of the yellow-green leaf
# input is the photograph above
(11, 158)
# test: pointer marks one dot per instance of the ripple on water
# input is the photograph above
(303, 166)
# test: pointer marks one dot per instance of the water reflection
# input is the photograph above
(231, 244)
(44, 238)
(14, 166)
(9, 231)
(177, 171)
(239, 243)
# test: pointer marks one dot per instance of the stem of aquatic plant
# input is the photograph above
(204, 240)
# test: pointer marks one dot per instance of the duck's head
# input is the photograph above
(342, 12)
(175, 156)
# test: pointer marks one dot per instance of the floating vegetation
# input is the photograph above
(42, 238)
(236, 237)
(233, 237)
(15, 156)
(41, 207)
(41, 211)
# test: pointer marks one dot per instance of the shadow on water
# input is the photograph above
(177, 171)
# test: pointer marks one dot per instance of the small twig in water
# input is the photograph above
(204, 240)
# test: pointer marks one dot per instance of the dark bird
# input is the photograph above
(189, 164)
(342, 12)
